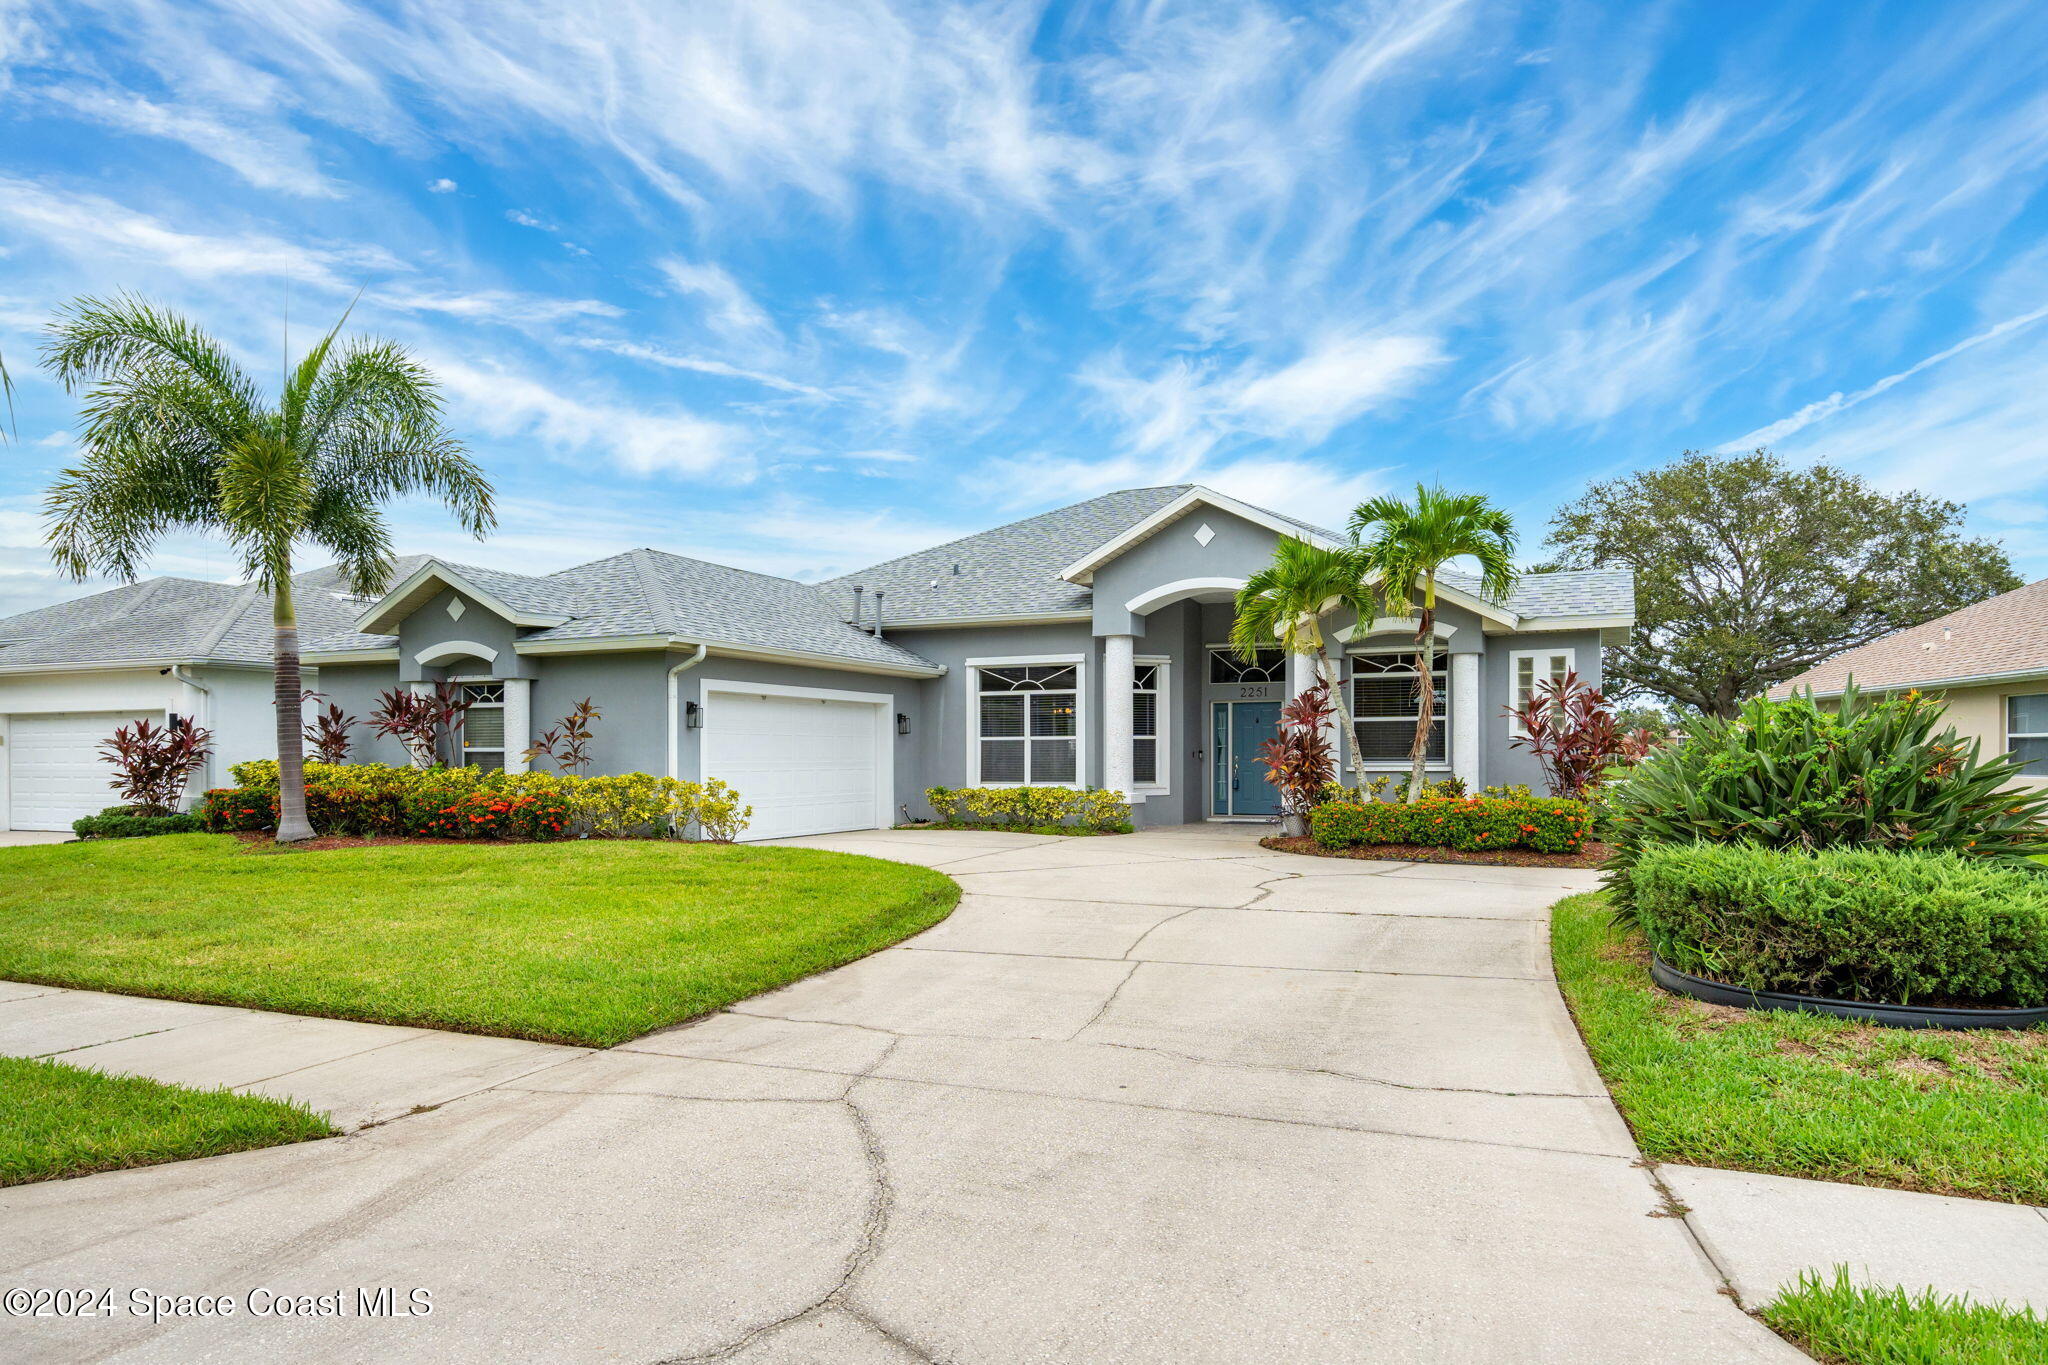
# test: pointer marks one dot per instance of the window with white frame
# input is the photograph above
(2026, 731)
(1029, 724)
(1529, 667)
(1384, 702)
(1148, 725)
(1228, 666)
(483, 724)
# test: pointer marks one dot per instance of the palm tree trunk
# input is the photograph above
(1425, 696)
(292, 825)
(1326, 670)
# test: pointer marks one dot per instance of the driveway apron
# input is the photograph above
(1160, 1097)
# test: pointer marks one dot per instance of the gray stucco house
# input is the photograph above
(1084, 646)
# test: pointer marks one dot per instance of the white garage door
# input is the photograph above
(54, 770)
(807, 765)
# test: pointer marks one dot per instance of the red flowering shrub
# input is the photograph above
(231, 810)
(499, 815)
(1471, 824)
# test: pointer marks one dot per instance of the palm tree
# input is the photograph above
(1401, 544)
(1285, 603)
(179, 438)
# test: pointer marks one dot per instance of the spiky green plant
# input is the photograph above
(1403, 547)
(178, 437)
(1284, 604)
(1793, 774)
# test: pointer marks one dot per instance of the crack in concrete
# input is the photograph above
(867, 1245)
(1108, 1000)
(1355, 1076)
(1140, 939)
(107, 1042)
(1227, 966)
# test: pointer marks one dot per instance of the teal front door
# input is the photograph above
(1241, 787)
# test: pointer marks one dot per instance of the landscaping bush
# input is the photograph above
(382, 799)
(1865, 925)
(125, 822)
(1043, 810)
(499, 815)
(1472, 824)
(1790, 774)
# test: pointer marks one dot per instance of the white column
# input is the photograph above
(518, 722)
(1301, 674)
(1119, 675)
(1465, 719)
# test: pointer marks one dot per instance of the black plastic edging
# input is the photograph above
(1890, 1016)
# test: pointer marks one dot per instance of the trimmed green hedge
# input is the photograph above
(1030, 809)
(1793, 774)
(1472, 824)
(1863, 925)
(122, 823)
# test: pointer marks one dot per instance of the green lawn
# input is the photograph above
(590, 942)
(1801, 1094)
(1838, 1322)
(58, 1120)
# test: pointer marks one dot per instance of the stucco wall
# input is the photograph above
(1236, 549)
(431, 627)
(1503, 764)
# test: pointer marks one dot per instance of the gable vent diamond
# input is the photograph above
(1203, 535)
(455, 610)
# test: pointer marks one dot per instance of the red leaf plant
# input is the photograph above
(424, 722)
(1300, 761)
(567, 744)
(1570, 728)
(153, 763)
(327, 732)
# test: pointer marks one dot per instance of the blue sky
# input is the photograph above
(798, 286)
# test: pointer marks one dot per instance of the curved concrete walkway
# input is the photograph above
(1165, 1097)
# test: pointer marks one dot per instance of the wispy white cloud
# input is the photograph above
(495, 305)
(94, 227)
(731, 309)
(1837, 402)
(676, 360)
(636, 438)
(266, 155)
(443, 185)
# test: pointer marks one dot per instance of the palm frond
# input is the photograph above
(106, 513)
(353, 531)
(266, 489)
(307, 375)
(110, 339)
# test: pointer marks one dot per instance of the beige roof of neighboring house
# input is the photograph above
(2001, 636)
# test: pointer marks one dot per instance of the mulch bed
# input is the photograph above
(1590, 856)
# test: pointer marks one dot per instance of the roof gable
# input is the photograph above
(1082, 570)
(527, 606)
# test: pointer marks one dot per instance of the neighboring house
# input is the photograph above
(1988, 663)
(1082, 647)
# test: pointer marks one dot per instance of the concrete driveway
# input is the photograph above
(1164, 1097)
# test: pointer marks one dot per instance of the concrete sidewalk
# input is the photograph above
(1164, 1097)
(1764, 1230)
(357, 1074)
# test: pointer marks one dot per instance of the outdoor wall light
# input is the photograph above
(902, 723)
(693, 716)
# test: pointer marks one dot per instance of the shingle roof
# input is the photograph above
(649, 592)
(1012, 570)
(174, 620)
(2006, 634)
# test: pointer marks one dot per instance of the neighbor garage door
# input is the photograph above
(807, 764)
(54, 770)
